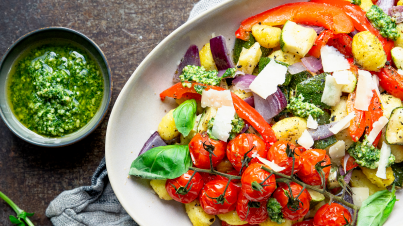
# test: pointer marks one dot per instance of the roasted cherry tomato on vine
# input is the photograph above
(293, 208)
(256, 183)
(214, 201)
(223, 223)
(207, 177)
(242, 144)
(199, 147)
(304, 223)
(310, 159)
(332, 215)
(185, 188)
(281, 153)
(252, 212)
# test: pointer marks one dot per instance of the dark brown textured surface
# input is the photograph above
(126, 30)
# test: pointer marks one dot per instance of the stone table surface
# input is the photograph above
(126, 30)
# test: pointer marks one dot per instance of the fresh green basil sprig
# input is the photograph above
(164, 162)
(377, 208)
(22, 217)
(185, 116)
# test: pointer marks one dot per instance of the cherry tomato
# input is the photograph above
(252, 212)
(200, 156)
(181, 190)
(232, 172)
(332, 215)
(241, 144)
(301, 207)
(207, 177)
(251, 181)
(307, 172)
(277, 153)
(223, 223)
(212, 199)
(304, 223)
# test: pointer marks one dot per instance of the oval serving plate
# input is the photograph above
(138, 110)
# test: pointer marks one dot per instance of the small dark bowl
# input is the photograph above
(35, 39)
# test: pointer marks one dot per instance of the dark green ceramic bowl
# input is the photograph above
(48, 36)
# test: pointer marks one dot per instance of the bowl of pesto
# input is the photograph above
(55, 86)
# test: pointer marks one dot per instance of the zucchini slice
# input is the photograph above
(394, 128)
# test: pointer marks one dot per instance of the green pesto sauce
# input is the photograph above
(55, 89)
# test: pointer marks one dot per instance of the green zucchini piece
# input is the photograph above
(239, 44)
(324, 143)
(312, 90)
(398, 173)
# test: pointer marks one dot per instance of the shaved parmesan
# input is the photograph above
(333, 60)
(311, 123)
(306, 140)
(267, 81)
(376, 129)
(332, 92)
(364, 91)
(383, 161)
(222, 122)
(400, 71)
(338, 149)
(343, 77)
(342, 124)
(360, 194)
(271, 164)
(216, 99)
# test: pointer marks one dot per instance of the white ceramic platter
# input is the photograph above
(138, 110)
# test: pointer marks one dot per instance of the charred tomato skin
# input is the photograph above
(255, 174)
(252, 215)
(195, 185)
(332, 215)
(278, 154)
(214, 189)
(201, 157)
(307, 172)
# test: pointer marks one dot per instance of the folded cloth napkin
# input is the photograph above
(97, 205)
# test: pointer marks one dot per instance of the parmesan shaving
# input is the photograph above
(376, 129)
(271, 164)
(364, 91)
(342, 124)
(311, 123)
(222, 123)
(267, 81)
(216, 99)
(306, 140)
(333, 60)
(383, 161)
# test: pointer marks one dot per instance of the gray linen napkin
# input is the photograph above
(97, 204)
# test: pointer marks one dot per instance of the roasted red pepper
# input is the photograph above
(360, 21)
(243, 109)
(391, 81)
(372, 115)
(351, 164)
(357, 125)
(342, 42)
(329, 17)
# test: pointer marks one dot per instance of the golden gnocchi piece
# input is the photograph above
(366, 5)
(242, 93)
(358, 179)
(231, 218)
(267, 36)
(206, 58)
(382, 183)
(290, 129)
(368, 51)
(197, 215)
(167, 128)
(249, 58)
(399, 27)
(287, 58)
(159, 188)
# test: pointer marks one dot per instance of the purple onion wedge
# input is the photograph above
(296, 68)
(321, 132)
(397, 13)
(312, 64)
(385, 5)
(317, 29)
(155, 140)
(250, 101)
(271, 106)
(243, 82)
(191, 57)
(220, 53)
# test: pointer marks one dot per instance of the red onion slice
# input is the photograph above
(191, 57)
(296, 68)
(271, 106)
(353, 33)
(243, 82)
(312, 64)
(385, 5)
(246, 127)
(250, 101)
(321, 132)
(316, 28)
(220, 53)
(155, 140)
(397, 13)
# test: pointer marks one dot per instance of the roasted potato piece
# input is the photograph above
(344, 135)
(358, 179)
(287, 58)
(206, 58)
(382, 183)
(159, 188)
(197, 215)
(290, 129)
(167, 128)
(267, 36)
(366, 5)
(242, 93)
(231, 218)
(368, 51)
(249, 58)
(399, 41)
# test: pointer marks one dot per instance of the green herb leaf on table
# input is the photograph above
(377, 208)
(185, 116)
(164, 162)
(22, 216)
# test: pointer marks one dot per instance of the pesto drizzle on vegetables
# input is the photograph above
(384, 23)
(56, 90)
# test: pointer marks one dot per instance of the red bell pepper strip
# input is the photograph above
(243, 109)
(360, 21)
(391, 81)
(342, 42)
(351, 164)
(372, 115)
(357, 125)
(329, 17)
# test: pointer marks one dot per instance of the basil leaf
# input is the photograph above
(377, 208)
(185, 116)
(164, 162)
(398, 173)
